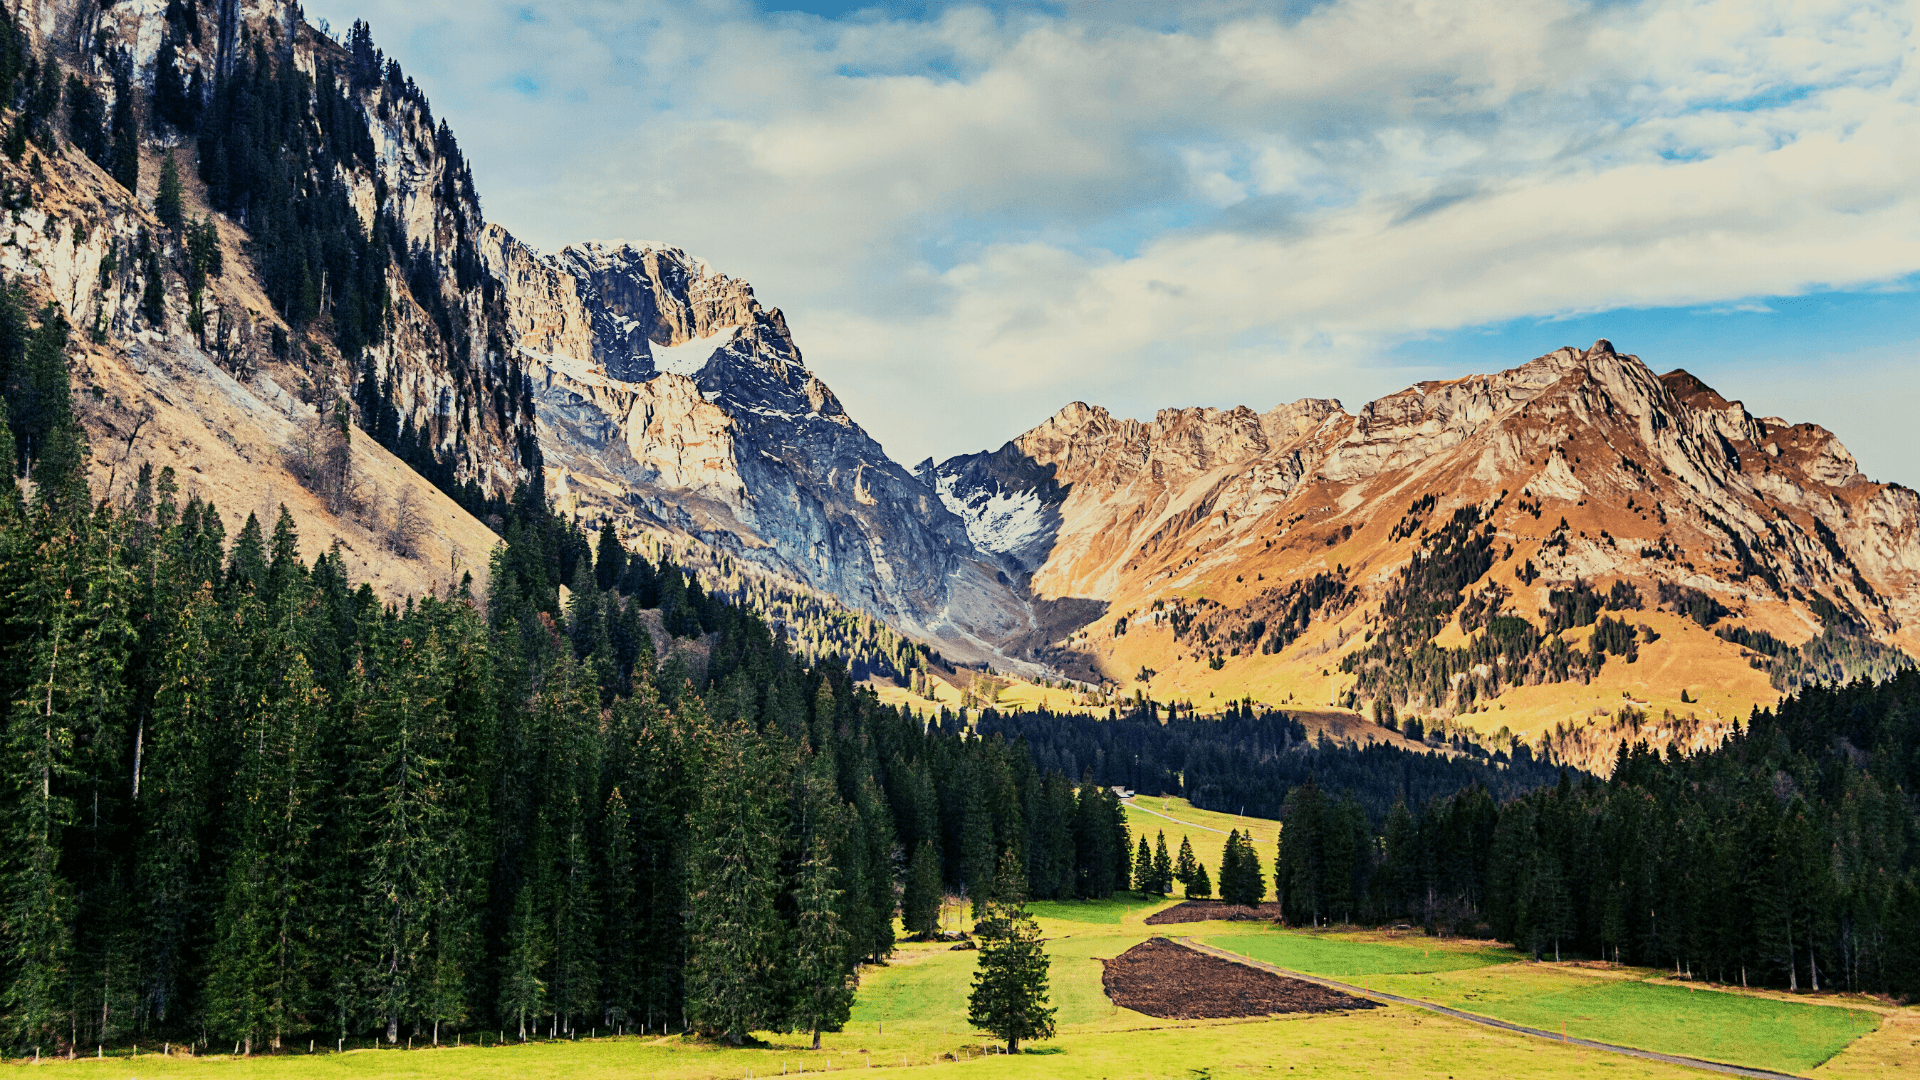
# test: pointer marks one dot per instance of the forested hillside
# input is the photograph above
(248, 801)
(1249, 760)
(1789, 855)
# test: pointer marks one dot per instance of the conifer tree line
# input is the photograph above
(1250, 759)
(1787, 856)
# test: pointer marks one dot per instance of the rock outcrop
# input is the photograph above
(668, 397)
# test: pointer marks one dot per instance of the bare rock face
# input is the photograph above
(667, 396)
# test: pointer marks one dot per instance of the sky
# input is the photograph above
(974, 213)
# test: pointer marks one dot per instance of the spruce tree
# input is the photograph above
(620, 973)
(1010, 996)
(733, 931)
(172, 810)
(609, 558)
(523, 993)
(1241, 879)
(1143, 868)
(258, 978)
(1162, 866)
(1186, 865)
(920, 903)
(167, 204)
(822, 966)
(1199, 886)
(408, 822)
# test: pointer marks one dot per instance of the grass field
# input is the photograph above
(1152, 814)
(1626, 1007)
(1339, 957)
(911, 1015)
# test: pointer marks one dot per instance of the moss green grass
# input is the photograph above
(1322, 954)
(1625, 1008)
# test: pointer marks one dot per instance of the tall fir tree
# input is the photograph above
(733, 930)
(920, 901)
(822, 964)
(1010, 992)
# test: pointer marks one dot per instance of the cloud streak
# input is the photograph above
(974, 217)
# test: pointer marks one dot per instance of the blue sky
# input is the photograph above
(975, 213)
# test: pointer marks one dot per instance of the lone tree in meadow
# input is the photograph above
(1010, 989)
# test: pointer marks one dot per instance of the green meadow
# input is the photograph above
(910, 1017)
(1634, 1008)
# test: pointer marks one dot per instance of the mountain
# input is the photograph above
(668, 398)
(355, 277)
(1465, 547)
(330, 323)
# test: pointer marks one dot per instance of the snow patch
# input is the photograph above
(997, 521)
(689, 358)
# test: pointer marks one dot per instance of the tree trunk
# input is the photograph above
(816, 1038)
(1013, 1045)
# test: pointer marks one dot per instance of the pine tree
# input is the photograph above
(733, 932)
(1186, 865)
(822, 966)
(1199, 886)
(920, 903)
(167, 204)
(258, 982)
(1162, 866)
(1009, 997)
(1143, 868)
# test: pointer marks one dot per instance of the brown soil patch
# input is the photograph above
(1214, 910)
(1171, 982)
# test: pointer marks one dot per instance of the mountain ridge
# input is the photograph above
(639, 385)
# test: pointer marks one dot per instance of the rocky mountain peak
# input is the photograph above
(654, 308)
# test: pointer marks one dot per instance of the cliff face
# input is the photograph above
(667, 396)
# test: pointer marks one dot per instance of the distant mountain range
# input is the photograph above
(1579, 547)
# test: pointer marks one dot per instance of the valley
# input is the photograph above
(411, 636)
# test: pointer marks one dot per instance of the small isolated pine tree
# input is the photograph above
(1143, 868)
(1009, 996)
(920, 903)
(167, 202)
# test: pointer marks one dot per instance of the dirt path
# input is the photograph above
(1487, 1021)
(1138, 805)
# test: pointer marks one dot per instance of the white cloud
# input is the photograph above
(1009, 212)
